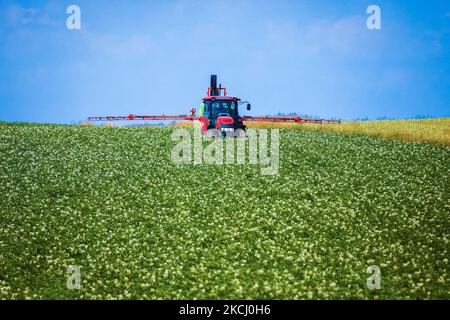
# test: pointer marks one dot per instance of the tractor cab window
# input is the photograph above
(223, 108)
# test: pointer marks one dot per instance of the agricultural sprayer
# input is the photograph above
(217, 111)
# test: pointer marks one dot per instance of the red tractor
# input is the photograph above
(220, 111)
(217, 111)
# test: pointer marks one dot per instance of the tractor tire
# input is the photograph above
(212, 134)
(241, 134)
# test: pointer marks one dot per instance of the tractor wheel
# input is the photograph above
(212, 133)
(240, 133)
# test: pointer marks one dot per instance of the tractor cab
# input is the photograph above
(220, 111)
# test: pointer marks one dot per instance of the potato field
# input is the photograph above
(139, 226)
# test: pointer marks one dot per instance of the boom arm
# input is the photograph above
(132, 117)
(296, 119)
(135, 117)
(192, 117)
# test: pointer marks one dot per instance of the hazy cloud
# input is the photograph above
(15, 15)
(346, 36)
(133, 46)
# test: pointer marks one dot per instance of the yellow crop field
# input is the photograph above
(436, 131)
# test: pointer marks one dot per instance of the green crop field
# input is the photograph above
(111, 201)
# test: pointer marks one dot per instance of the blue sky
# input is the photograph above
(152, 57)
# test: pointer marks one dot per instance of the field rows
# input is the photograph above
(111, 201)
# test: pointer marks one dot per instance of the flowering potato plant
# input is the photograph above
(140, 226)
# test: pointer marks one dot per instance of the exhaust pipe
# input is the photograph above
(213, 85)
